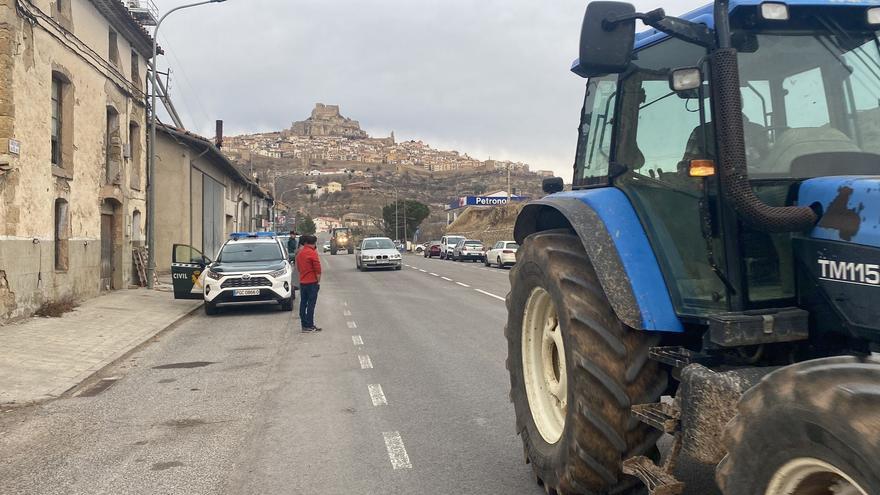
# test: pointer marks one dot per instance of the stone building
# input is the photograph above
(327, 121)
(201, 197)
(72, 149)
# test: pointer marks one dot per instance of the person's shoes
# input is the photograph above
(306, 330)
(316, 329)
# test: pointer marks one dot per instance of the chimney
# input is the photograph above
(218, 134)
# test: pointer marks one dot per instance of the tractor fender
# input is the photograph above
(618, 248)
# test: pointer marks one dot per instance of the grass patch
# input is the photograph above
(54, 309)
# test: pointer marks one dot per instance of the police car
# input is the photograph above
(251, 267)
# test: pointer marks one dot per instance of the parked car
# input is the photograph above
(448, 245)
(420, 248)
(468, 249)
(377, 252)
(434, 249)
(250, 267)
(503, 253)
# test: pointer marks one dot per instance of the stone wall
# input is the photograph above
(93, 176)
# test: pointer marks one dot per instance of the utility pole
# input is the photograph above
(405, 235)
(508, 183)
(151, 169)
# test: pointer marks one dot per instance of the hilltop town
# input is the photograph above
(327, 166)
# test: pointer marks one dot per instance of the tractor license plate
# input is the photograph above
(246, 292)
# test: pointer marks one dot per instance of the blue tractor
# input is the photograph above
(714, 273)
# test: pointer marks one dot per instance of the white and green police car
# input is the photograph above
(251, 268)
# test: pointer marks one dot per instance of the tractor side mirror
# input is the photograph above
(607, 37)
(552, 185)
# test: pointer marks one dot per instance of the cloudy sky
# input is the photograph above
(486, 77)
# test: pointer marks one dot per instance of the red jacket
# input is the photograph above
(308, 264)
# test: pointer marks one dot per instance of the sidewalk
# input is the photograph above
(41, 358)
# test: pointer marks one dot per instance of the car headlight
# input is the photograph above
(278, 273)
(366, 257)
(395, 256)
(213, 275)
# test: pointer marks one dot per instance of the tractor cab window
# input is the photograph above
(658, 131)
(594, 132)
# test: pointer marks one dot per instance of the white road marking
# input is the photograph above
(434, 274)
(346, 313)
(463, 285)
(446, 279)
(377, 395)
(357, 340)
(345, 303)
(396, 451)
(423, 271)
(489, 294)
(351, 324)
(366, 362)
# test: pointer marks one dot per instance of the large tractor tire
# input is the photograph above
(575, 371)
(810, 428)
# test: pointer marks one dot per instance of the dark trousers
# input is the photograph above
(308, 297)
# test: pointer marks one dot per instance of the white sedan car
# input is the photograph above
(503, 253)
(377, 252)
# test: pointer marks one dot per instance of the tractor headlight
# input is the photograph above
(279, 273)
(213, 275)
(773, 11)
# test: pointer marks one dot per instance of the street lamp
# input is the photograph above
(151, 168)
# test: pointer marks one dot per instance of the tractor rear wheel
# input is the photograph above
(575, 371)
(810, 428)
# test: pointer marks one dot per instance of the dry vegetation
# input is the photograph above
(487, 224)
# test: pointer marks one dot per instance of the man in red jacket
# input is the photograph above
(309, 266)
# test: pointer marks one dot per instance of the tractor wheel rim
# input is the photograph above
(544, 371)
(809, 476)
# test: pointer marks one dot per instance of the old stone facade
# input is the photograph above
(72, 150)
(201, 197)
(327, 121)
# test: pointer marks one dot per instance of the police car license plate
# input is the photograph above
(246, 292)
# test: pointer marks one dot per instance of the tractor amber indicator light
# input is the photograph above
(701, 168)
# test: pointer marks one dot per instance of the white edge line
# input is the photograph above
(489, 294)
(396, 451)
(463, 285)
(377, 395)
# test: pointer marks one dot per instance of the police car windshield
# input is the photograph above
(250, 251)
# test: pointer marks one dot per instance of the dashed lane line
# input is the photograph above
(357, 340)
(346, 312)
(447, 279)
(396, 451)
(489, 294)
(433, 274)
(351, 324)
(377, 395)
(366, 362)
(423, 271)
(463, 285)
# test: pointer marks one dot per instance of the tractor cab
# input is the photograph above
(808, 113)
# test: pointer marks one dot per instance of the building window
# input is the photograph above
(135, 68)
(134, 143)
(57, 116)
(113, 152)
(114, 48)
(62, 234)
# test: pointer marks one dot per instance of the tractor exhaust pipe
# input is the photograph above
(727, 103)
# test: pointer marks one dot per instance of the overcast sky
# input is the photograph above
(486, 77)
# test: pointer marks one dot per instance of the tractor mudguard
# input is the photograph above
(618, 248)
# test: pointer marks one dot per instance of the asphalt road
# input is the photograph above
(405, 391)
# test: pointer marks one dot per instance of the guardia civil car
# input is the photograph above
(250, 268)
